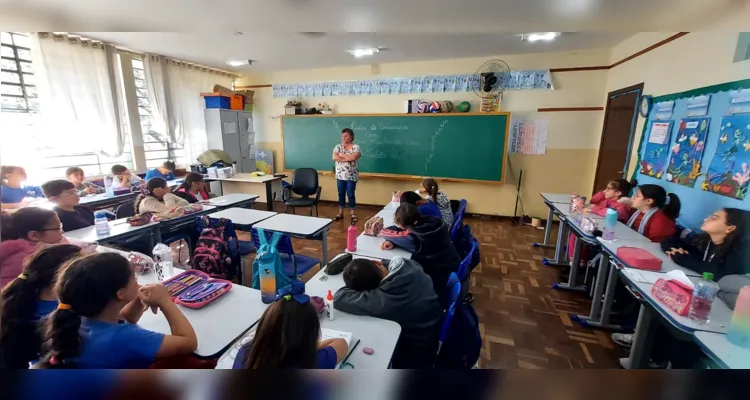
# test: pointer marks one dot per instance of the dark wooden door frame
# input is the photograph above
(610, 95)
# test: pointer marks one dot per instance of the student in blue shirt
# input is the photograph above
(426, 207)
(288, 336)
(25, 301)
(94, 324)
(12, 193)
(166, 171)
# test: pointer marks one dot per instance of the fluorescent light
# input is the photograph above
(364, 52)
(537, 36)
(237, 63)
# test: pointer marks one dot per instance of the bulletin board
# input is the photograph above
(699, 151)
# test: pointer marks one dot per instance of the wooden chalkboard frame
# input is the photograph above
(401, 177)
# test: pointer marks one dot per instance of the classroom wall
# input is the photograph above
(568, 165)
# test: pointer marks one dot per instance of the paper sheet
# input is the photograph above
(334, 334)
(639, 277)
(230, 128)
(528, 136)
(678, 275)
(659, 132)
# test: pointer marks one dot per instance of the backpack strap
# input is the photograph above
(275, 238)
(262, 236)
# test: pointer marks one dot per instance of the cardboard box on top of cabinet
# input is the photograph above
(247, 93)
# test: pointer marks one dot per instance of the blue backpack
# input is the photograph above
(268, 257)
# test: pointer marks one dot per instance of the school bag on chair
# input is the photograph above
(268, 257)
(211, 254)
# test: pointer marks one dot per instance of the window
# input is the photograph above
(24, 142)
(743, 47)
(157, 148)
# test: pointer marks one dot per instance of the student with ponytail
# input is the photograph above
(655, 212)
(94, 324)
(156, 197)
(25, 301)
(430, 188)
(192, 189)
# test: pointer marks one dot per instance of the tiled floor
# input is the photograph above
(524, 322)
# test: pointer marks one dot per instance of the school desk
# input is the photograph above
(258, 185)
(651, 309)
(119, 230)
(242, 218)
(233, 200)
(302, 227)
(369, 246)
(175, 224)
(549, 199)
(558, 209)
(725, 353)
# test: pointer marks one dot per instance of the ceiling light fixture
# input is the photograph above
(540, 36)
(239, 63)
(364, 52)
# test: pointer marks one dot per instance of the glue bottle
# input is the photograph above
(329, 305)
(351, 237)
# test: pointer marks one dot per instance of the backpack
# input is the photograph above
(268, 257)
(211, 254)
(373, 226)
(461, 348)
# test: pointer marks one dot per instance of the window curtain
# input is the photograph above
(185, 84)
(77, 82)
(162, 122)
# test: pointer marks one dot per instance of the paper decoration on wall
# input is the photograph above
(519, 80)
(739, 101)
(528, 136)
(698, 106)
(729, 171)
(663, 110)
(654, 159)
(687, 151)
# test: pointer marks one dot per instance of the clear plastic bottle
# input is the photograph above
(101, 223)
(234, 168)
(704, 295)
(610, 223)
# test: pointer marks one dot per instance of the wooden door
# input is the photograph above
(617, 135)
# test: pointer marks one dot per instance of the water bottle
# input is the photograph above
(101, 224)
(351, 238)
(267, 278)
(739, 328)
(703, 298)
(109, 189)
(234, 168)
(610, 223)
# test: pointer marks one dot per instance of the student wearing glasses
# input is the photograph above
(66, 199)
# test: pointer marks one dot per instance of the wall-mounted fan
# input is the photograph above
(491, 80)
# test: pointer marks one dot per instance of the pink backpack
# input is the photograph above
(635, 257)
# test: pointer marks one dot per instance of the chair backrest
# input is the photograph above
(305, 181)
(125, 210)
(458, 219)
(284, 246)
(463, 268)
(454, 288)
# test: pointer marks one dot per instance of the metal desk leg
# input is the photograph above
(558, 261)
(156, 234)
(571, 284)
(325, 248)
(643, 341)
(596, 305)
(609, 298)
(269, 196)
(547, 229)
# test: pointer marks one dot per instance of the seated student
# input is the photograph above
(401, 293)
(76, 177)
(24, 232)
(428, 239)
(430, 188)
(123, 178)
(65, 197)
(426, 207)
(615, 196)
(722, 249)
(12, 193)
(25, 301)
(655, 212)
(288, 336)
(94, 325)
(166, 171)
(156, 197)
(192, 189)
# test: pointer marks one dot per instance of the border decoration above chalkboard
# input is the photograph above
(519, 80)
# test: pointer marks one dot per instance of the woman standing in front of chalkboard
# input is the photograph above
(345, 156)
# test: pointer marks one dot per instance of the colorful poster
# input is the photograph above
(729, 171)
(528, 136)
(657, 149)
(687, 151)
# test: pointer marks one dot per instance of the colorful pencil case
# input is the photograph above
(195, 289)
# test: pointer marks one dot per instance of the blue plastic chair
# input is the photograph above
(458, 219)
(454, 292)
(295, 265)
(463, 268)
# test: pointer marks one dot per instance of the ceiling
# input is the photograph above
(200, 31)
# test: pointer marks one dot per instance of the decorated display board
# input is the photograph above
(460, 146)
(696, 144)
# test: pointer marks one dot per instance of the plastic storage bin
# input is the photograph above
(237, 102)
(217, 101)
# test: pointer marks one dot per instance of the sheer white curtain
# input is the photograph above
(77, 81)
(185, 84)
(162, 120)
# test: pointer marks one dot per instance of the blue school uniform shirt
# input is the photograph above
(12, 195)
(326, 358)
(430, 208)
(116, 346)
(154, 173)
(44, 308)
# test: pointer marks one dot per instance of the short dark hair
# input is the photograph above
(73, 170)
(170, 165)
(362, 274)
(118, 169)
(349, 131)
(56, 187)
(410, 197)
(406, 215)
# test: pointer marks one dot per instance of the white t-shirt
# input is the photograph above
(117, 183)
(199, 197)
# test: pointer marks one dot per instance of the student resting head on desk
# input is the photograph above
(165, 171)
(655, 212)
(426, 206)
(192, 189)
(428, 239)
(288, 336)
(156, 197)
(401, 293)
(25, 301)
(76, 177)
(12, 192)
(123, 178)
(430, 188)
(100, 300)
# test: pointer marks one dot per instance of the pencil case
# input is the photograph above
(638, 258)
(195, 289)
(673, 294)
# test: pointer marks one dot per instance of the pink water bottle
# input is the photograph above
(351, 238)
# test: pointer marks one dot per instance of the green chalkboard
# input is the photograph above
(459, 146)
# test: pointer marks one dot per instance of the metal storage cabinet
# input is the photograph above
(232, 131)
